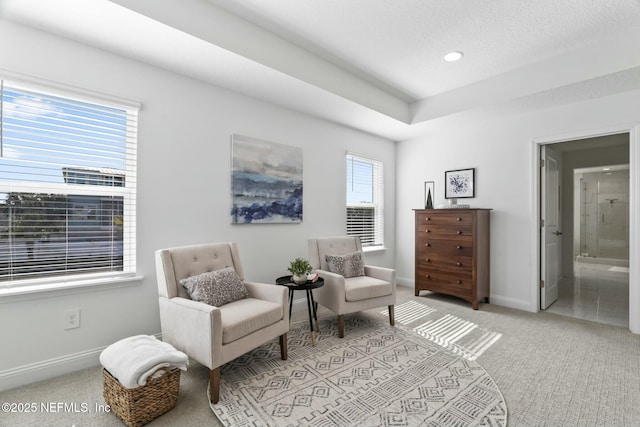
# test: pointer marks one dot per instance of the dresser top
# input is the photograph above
(453, 209)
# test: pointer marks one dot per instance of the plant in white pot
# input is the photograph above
(299, 268)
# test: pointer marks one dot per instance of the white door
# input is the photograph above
(550, 229)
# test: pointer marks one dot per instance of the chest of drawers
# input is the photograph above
(452, 253)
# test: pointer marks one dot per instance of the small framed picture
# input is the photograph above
(459, 184)
(429, 187)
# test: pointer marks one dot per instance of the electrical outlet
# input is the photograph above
(72, 318)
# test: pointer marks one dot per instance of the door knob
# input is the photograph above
(557, 233)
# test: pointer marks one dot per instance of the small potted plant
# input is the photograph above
(299, 268)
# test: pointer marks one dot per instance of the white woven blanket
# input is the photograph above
(132, 360)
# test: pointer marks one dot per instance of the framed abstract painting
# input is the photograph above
(266, 181)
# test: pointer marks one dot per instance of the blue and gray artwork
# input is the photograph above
(266, 182)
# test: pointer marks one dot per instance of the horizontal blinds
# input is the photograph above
(361, 222)
(365, 199)
(67, 185)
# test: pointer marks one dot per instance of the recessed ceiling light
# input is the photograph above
(452, 56)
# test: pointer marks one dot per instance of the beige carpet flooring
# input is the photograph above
(551, 370)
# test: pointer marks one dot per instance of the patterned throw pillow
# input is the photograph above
(349, 265)
(216, 288)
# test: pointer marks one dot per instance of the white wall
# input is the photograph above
(499, 146)
(183, 196)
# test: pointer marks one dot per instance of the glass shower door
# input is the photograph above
(613, 215)
(604, 214)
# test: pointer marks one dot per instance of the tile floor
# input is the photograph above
(597, 292)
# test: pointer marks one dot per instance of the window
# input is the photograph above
(67, 186)
(365, 201)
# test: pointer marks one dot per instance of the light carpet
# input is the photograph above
(460, 336)
(378, 375)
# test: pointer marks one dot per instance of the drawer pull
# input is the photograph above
(458, 219)
(427, 244)
(427, 231)
(458, 264)
(427, 259)
(458, 281)
(427, 219)
(458, 232)
(427, 276)
(457, 247)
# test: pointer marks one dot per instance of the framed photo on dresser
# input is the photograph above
(459, 184)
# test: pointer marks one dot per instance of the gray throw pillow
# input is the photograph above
(349, 265)
(216, 288)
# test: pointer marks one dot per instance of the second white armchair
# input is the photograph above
(350, 285)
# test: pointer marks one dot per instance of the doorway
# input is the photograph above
(587, 275)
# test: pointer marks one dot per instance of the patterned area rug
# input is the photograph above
(378, 375)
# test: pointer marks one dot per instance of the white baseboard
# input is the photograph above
(50, 368)
(45, 369)
(518, 304)
(299, 304)
(405, 281)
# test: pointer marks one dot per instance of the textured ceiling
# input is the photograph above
(374, 65)
(401, 43)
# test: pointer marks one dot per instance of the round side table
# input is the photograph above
(311, 305)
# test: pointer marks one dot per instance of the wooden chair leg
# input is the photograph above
(392, 319)
(214, 385)
(283, 346)
(341, 325)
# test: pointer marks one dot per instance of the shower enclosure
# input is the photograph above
(604, 215)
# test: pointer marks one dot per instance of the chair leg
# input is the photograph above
(392, 319)
(283, 346)
(341, 325)
(214, 385)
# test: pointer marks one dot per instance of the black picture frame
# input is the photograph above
(429, 194)
(460, 184)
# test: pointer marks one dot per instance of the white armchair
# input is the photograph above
(212, 335)
(376, 288)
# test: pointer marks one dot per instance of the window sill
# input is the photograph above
(21, 293)
(372, 249)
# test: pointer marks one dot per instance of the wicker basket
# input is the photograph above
(138, 406)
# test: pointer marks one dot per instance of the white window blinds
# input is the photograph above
(365, 200)
(67, 186)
